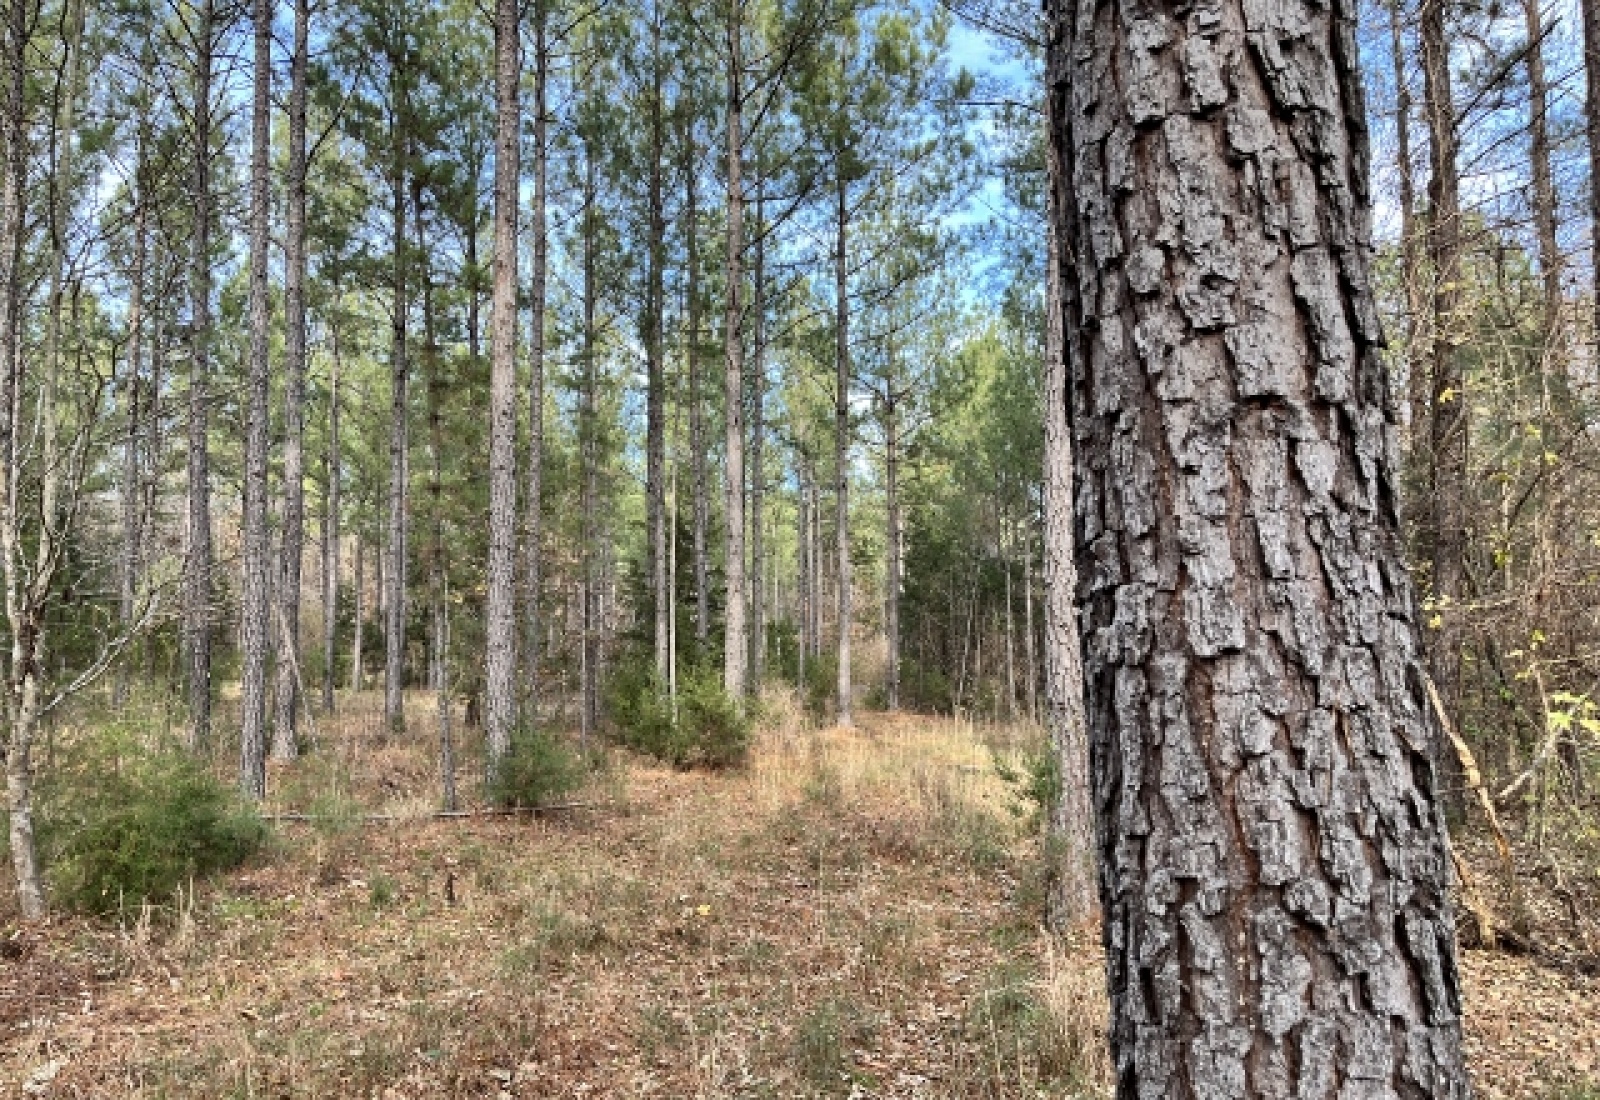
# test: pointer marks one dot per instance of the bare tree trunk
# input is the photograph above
(1030, 678)
(819, 580)
(358, 615)
(1069, 819)
(154, 444)
(655, 356)
(1446, 527)
(588, 423)
(758, 431)
(334, 472)
(287, 701)
(1275, 866)
(500, 609)
(1591, 68)
(21, 672)
(254, 596)
(394, 627)
(1410, 241)
(438, 575)
(802, 553)
(197, 559)
(736, 641)
(1544, 190)
(699, 474)
(132, 483)
(841, 446)
(1005, 535)
(533, 516)
(893, 540)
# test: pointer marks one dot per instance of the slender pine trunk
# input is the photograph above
(394, 632)
(533, 515)
(254, 595)
(1591, 69)
(333, 472)
(358, 613)
(131, 487)
(500, 616)
(588, 426)
(841, 443)
(736, 641)
(287, 700)
(1447, 490)
(699, 474)
(758, 432)
(893, 540)
(655, 360)
(1070, 897)
(198, 556)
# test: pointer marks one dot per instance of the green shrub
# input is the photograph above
(822, 685)
(536, 770)
(122, 825)
(641, 712)
(715, 727)
(707, 728)
(1035, 780)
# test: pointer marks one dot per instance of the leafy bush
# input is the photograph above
(707, 728)
(716, 728)
(123, 825)
(822, 685)
(926, 688)
(1035, 780)
(536, 770)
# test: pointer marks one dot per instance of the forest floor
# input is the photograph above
(853, 914)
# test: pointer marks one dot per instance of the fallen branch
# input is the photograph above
(437, 815)
(1473, 777)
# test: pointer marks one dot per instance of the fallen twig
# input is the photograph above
(437, 815)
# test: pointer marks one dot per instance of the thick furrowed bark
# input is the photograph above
(1274, 863)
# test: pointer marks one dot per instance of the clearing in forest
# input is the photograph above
(850, 915)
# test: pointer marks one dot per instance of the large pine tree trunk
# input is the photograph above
(197, 557)
(735, 649)
(841, 445)
(1275, 865)
(287, 695)
(500, 626)
(254, 595)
